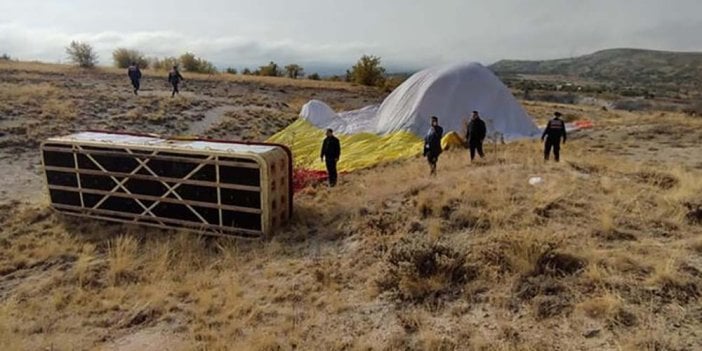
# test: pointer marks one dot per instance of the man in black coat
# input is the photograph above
(432, 144)
(135, 76)
(555, 130)
(476, 135)
(331, 151)
(175, 78)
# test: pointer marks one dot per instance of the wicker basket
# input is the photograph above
(208, 186)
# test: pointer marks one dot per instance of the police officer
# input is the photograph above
(175, 78)
(555, 130)
(476, 135)
(135, 76)
(331, 151)
(432, 144)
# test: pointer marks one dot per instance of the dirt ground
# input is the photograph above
(604, 254)
(37, 104)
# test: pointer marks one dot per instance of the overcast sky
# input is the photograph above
(324, 34)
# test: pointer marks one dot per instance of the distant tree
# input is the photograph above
(231, 70)
(192, 63)
(5, 57)
(246, 72)
(314, 76)
(294, 70)
(367, 71)
(207, 67)
(163, 64)
(270, 70)
(82, 54)
(189, 62)
(393, 82)
(123, 58)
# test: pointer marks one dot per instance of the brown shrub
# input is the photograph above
(559, 264)
(694, 213)
(657, 179)
(418, 270)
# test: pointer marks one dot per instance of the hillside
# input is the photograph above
(620, 66)
(604, 254)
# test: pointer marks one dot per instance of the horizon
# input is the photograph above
(328, 37)
(340, 70)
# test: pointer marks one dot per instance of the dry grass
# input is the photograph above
(601, 255)
(48, 68)
(51, 103)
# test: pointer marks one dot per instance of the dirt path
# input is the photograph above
(212, 118)
(185, 94)
(21, 180)
(21, 177)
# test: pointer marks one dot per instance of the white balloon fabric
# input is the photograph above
(450, 92)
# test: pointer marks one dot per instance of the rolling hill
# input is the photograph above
(619, 66)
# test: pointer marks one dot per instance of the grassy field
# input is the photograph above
(604, 254)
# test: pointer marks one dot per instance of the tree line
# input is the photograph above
(367, 71)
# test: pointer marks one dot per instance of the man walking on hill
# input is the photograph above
(555, 130)
(331, 151)
(135, 76)
(175, 78)
(476, 135)
(432, 144)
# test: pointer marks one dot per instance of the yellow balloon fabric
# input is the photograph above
(358, 151)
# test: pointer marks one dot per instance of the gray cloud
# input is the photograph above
(408, 34)
(50, 46)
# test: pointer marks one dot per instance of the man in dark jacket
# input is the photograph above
(331, 151)
(175, 78)
(555, 130)
(432, 144)
(135, 76)
(476, 135)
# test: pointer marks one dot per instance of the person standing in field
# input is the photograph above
(476, 135)
(175, 78)
(331, 151)
(555, 130)
(432, 144)
(135, 76)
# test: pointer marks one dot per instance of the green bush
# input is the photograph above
(314, 76)
(123, 58)
(5, 57)
(246, 72)
(82, 54)
(294, 70)
(367, 71)
(192, 63)
(393, 82)
(231, 70)
(270, 70)
(163, 64)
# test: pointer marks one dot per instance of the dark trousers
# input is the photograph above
(433, 159)
(554, 144)
(135, 84)
(476, 146)
(175, 89)
(331, 171)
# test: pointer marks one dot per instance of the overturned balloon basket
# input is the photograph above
(213, 187)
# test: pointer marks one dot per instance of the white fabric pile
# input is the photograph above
(449, 92)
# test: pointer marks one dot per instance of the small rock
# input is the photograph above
(592, 333)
